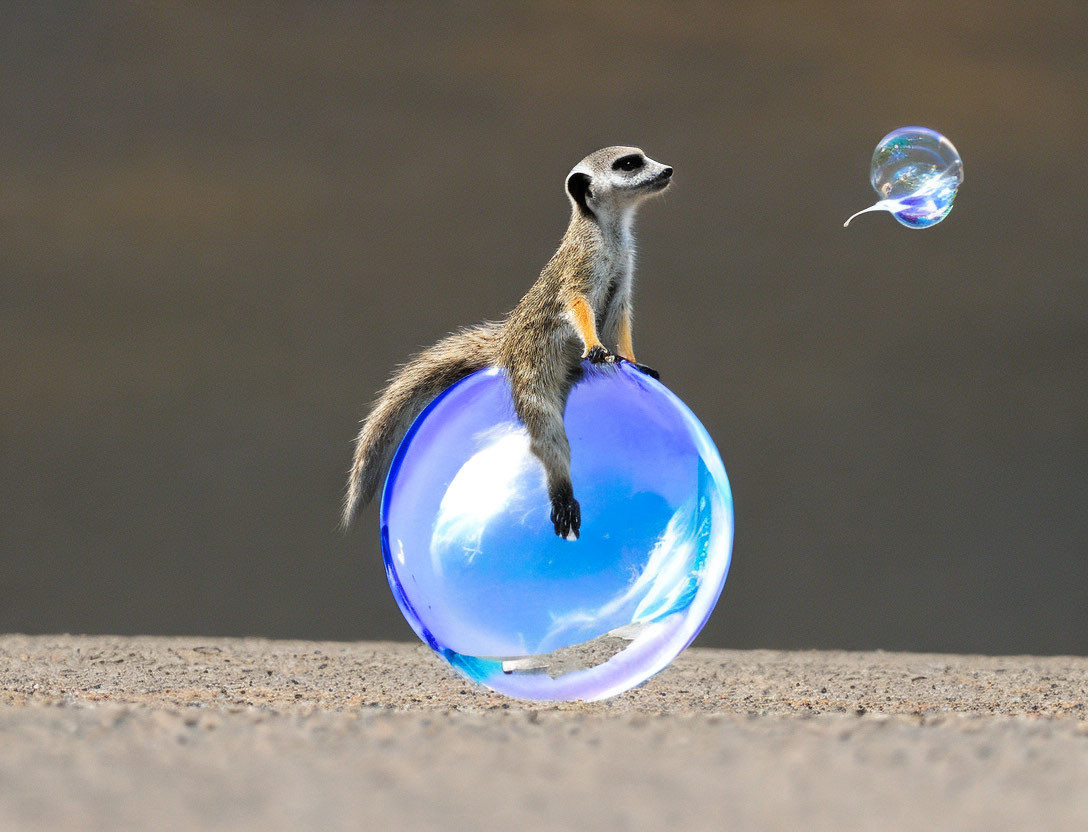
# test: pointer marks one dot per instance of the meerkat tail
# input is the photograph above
(411, 389)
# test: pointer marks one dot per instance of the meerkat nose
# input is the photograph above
(667, 172)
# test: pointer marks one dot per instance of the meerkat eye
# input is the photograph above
(632, 162)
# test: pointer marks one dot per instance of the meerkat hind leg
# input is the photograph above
(548, 441)
(543, 418)
(552, 448)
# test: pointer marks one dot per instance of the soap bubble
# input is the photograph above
(477, 569)
(916, 171)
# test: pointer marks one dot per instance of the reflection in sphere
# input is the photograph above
(479, 573)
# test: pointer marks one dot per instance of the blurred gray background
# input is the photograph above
(221, 227)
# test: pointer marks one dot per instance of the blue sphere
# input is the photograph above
(478, 571)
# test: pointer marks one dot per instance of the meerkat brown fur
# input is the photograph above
(579, 308)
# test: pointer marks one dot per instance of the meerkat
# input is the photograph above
(579, 308)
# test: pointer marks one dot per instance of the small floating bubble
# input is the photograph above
(916, 171)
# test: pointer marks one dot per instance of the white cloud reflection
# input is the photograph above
(663, 582)
(482, 489)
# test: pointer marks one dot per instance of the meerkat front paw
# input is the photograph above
(566, 515)
(599, 355)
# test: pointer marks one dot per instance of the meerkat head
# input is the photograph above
(613, 182)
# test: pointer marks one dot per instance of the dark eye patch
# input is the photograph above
(632, 162)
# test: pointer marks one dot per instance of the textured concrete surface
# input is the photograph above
(119, 733)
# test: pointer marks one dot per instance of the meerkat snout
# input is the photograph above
(661, 181)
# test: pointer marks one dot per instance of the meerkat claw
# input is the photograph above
(599, 355)
(642, 368)
(566, 516)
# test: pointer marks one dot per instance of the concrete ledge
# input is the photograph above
(106, 732)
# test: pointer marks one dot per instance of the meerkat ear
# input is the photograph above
(579, 190)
